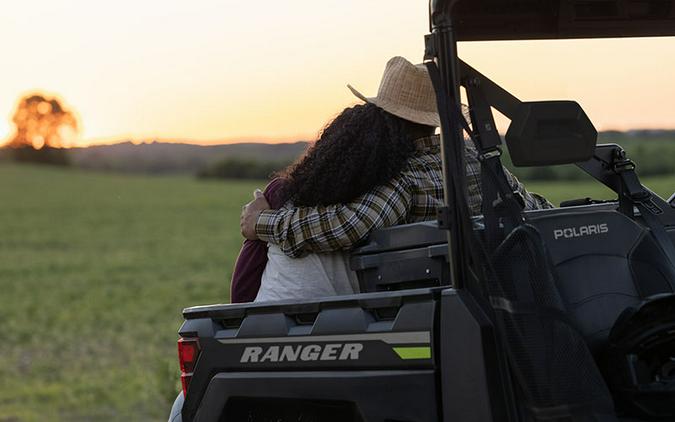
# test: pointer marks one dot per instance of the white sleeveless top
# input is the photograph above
(311, 276)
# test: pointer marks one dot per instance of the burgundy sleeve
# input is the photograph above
(273, 193)
(252, 258)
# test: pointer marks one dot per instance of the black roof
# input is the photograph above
(484, 20)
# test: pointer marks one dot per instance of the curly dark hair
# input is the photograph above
(364, 146)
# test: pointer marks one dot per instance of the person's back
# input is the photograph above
(264, 273)
(328, 273)
(310, 276)
(363, 147)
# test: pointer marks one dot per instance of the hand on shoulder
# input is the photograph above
(250, 213)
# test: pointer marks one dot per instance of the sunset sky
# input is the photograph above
(226, 71)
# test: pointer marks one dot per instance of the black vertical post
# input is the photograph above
(455, 214)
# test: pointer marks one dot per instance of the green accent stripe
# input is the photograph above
(413, 352)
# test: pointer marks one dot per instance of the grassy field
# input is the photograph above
(94, 271)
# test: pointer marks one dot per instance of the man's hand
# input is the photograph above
(250, 213)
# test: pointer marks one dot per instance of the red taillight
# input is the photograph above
(185, 382)
(188, 352)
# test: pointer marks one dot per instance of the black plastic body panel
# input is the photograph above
(403, 257)
(395, 270)
(472, 380)
(405, 338)
(371, 334)
(406, 236)
(406, 396)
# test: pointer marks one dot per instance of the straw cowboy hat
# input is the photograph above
(405, 91)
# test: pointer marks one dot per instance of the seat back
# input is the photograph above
(401, 257)
(604, 262)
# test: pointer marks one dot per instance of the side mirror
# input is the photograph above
(544, 133)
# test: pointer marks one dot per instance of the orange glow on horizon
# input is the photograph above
(203, 142)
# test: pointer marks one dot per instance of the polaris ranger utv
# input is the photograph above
(565, 314)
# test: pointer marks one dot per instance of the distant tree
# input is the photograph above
(43, 126)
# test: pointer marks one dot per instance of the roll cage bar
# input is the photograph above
(451, 21)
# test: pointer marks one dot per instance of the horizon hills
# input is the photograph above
(651, 148)
(301, 139)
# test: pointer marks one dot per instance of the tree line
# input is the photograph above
(653, 157)
(238, 168)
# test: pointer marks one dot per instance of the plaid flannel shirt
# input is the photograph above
(412, 196)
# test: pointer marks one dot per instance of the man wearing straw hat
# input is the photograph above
(406, 92)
